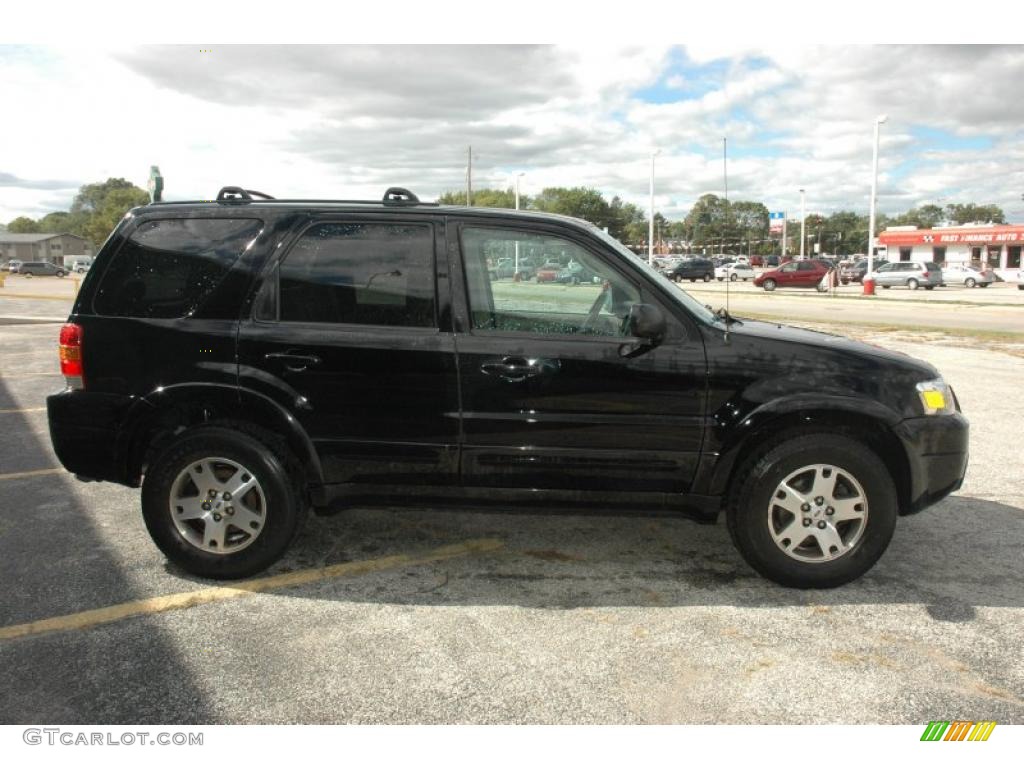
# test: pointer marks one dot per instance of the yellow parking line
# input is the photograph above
(87, 619)
(45, 297)
(32, 473)
(22, 410)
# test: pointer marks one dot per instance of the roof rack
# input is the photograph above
(239, 195)
(397, 196)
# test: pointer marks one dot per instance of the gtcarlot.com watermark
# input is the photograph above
(74, 738)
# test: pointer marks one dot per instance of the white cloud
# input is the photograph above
(328, 121)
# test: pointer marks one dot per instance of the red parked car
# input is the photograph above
(548, 273)
(793, 274)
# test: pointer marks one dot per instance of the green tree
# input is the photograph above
(965, 214)
(114, 206)
(627, 222)
(708, 222)
(23, 225)
(485, 198)
(58, 221)
(91, 197)
(580, 202)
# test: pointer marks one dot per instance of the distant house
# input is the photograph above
(43, 247)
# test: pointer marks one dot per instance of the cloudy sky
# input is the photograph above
(348, 121)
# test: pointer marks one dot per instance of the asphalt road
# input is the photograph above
(524, 619)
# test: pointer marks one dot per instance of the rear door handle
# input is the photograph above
(292, 361)
(518, 368)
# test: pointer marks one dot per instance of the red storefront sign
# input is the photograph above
(995, 235)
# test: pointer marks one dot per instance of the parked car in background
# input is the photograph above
(908, 274)
(506, 268)
(576, 273)
(548, 273)
(966, 275)
(41, 268)
(12, 265)
(770, 261)
(855, 272)
(693, 270)
(735, 271)
(793, 274)
(81, 266)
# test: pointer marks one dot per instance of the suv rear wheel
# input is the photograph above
(912, 284)
(220, 503)
(815, 511)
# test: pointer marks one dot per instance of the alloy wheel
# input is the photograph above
(217, 505)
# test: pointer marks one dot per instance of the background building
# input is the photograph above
(996, 246)
(43, 247)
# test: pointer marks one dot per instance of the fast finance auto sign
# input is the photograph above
(775, 222)
(958, 730)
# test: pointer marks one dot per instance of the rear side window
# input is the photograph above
(931, 266)
(360, 273)
(168, 266)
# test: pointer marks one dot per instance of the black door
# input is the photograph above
(549, 400)
(345, 336)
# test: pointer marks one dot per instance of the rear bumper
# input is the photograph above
(84, 431)
(937, 451)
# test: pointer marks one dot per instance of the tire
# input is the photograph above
(693, 279)
(756, 520)
(734, 277)
(60, 273)
(970, 282)
(984, 285)
(26, 274)
(575, 281)
(707, 277)
(768, 285)
(166, 482)
(929, 287)
(719, 279)
(677, 278)
(887, 287)
(912, 284)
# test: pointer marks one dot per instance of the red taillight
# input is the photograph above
(924, 274)
(71, 350)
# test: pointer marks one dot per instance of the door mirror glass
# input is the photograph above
(646, 322)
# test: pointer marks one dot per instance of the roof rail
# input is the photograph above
(400, 196)
(239, 195)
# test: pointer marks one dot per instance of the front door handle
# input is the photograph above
(518, 368)
(292, 361)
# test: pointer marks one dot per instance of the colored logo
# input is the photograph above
(958, 730)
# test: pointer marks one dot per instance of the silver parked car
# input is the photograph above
(964, 274)
(912, 274)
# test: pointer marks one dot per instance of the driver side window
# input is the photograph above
(542, 284)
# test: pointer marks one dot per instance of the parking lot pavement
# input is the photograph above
(556, 619)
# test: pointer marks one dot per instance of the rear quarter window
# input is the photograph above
(168, 267)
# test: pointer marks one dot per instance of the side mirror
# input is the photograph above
(646, 323)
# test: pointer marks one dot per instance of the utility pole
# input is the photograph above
(725, 176)
(469, 177)
(650, 227)
(874, 194)
(803, 224)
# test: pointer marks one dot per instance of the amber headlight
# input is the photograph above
(936, 397)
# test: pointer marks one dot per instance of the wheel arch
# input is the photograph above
(769, 427)
(153, 420)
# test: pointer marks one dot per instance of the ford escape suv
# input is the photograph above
(247, 359)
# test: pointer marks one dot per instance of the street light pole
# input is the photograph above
(803, 224)
(650, 228)
(874, 194)
(518, 176)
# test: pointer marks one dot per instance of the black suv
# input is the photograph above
(246, 359)
(692, 270)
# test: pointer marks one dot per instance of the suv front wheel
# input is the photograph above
(815, 511)
(219, 503)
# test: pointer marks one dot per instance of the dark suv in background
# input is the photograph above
(247, 359)
(693, 270)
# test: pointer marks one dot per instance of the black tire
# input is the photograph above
(768, 285)
(912, 284)
(283, 514)
(677, 278)
(983, 285)
(887, 287)
(707, 277)
(693, 279)
(747, 515)
(734, 277)
(60, 273)
(929, 287)
(26, 274)
(970, 282)
(719, 279)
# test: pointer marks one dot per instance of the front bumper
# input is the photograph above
(937, 451)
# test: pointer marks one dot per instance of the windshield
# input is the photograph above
(679, 295)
